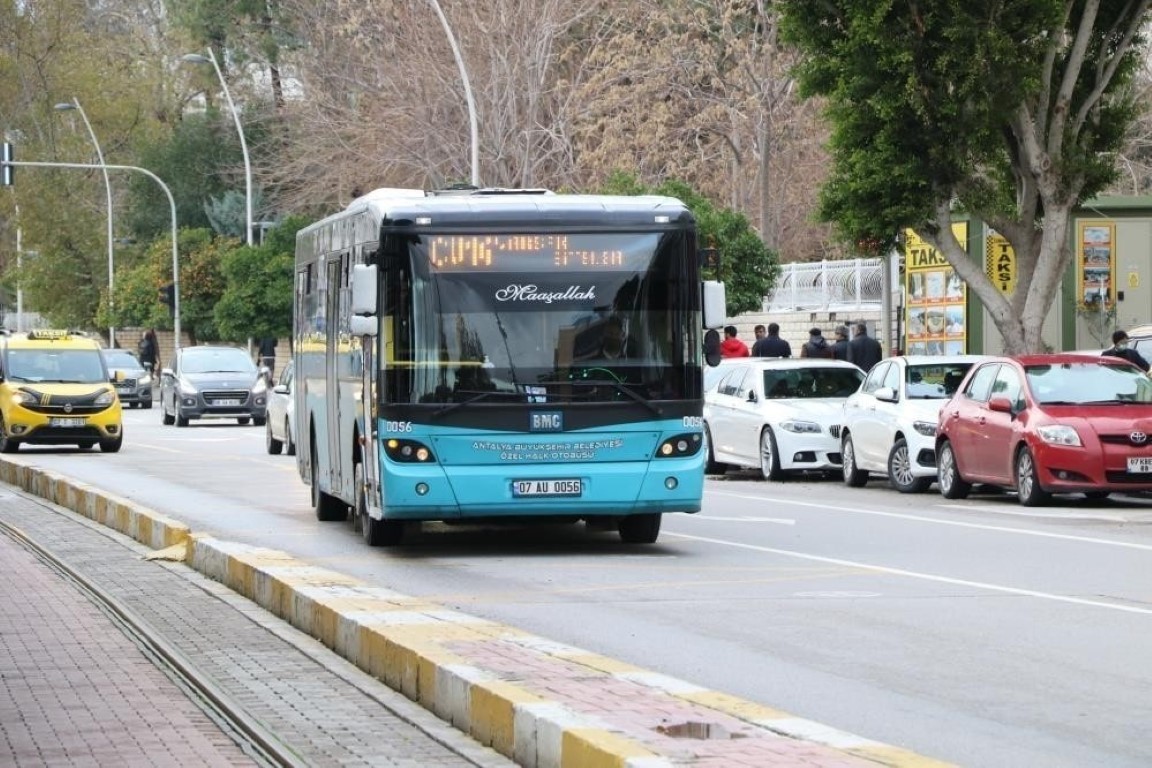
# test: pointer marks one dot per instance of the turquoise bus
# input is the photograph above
(482, 354)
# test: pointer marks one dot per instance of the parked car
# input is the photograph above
(1044, 424)
(889, 425)
(779, 415)
(281, 427)
(133, 381)
(213, 382)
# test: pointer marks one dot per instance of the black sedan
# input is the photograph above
(133, 381)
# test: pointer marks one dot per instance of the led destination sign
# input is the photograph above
(527, 253)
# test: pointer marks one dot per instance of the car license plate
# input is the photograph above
(521, 488)
(125, 390)
(1140, 465)
(227, 402)
(66, 422)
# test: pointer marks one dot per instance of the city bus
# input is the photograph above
(488, 355)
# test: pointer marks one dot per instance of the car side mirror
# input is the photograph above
(1000, 404)
(752, 396)
(281, 389)
(166, 372)
(887, 394)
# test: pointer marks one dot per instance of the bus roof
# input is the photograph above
(512, 206)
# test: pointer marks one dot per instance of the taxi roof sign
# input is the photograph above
(49, 333)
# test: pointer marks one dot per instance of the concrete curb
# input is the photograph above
(531, 699)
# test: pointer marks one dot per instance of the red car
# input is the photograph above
(1045, 424)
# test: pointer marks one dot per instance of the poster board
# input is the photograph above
(935, 298)
(1095, 264)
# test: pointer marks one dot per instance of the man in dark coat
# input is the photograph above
(840, 345)
(864, 350)
(772, 345)
(816, 346)
(1121, 349)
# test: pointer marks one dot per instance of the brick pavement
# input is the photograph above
(76, 691)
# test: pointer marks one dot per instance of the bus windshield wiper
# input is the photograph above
(621, 387)
(476, 397)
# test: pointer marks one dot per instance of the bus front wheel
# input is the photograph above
(377, 533)
(640, 529)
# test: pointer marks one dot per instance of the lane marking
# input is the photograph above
(936, 521)
(718, 518)
(884, 569)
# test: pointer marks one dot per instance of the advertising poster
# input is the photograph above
(934, 298)
(1095, 263)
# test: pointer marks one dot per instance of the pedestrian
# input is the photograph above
(816, 346)
(148, 350)
(1121, 349)
(759, 332)
(732, 346)
(840, 343)
(268, 354)
(864, 350)
(772, 345)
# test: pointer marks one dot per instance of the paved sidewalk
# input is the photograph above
(76, 691)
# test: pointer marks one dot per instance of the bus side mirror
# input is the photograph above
(715, 304)
(364, 286)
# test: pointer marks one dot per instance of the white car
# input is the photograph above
(281, 424)
(780, 415)
(889, 426)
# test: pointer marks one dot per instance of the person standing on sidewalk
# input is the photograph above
(864, 350)
(148, 351)
(732, 346)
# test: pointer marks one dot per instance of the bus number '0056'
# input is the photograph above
(397, 426)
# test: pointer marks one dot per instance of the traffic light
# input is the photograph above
(7, 172)
(168, 296)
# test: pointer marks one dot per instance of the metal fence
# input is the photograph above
(828, 285)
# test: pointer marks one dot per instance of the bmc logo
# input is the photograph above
(552, 421)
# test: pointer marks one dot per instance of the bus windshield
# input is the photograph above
(539, 317)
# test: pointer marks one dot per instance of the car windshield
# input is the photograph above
(1088, 382)
(935, 381)
(68, 366)
(216, 361)
(811, 382)
(120, 359)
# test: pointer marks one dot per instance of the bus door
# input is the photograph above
(337, 332)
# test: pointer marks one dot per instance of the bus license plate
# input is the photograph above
(66, 422)
(1140, 465)
(522, 488)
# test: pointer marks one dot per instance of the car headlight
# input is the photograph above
(926, 428)
(23, 398)
(1059, 434)
(144, 381)
(106, 397)
(260, 386)
(186, 387)
(801, 427)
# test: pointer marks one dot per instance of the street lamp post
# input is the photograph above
(196, 58)
(65, 107)
(472, 127)
(171, 211)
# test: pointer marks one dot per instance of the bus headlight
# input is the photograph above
(408, 451)
(680, 445)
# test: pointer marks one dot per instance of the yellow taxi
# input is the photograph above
(56, 390)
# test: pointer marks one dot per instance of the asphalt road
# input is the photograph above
(976, 632)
